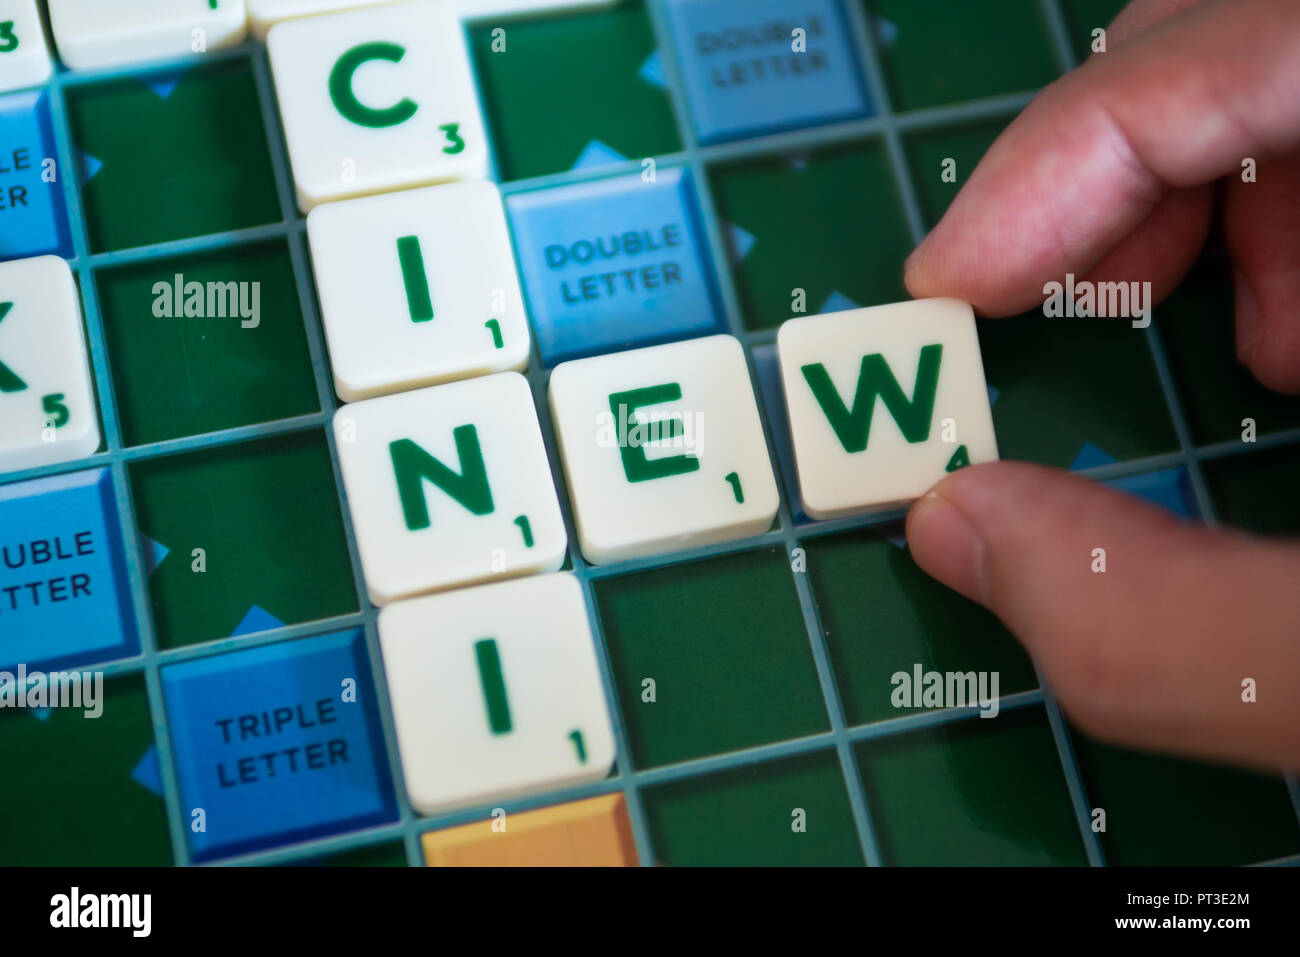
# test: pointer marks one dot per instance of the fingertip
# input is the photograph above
(947, 546)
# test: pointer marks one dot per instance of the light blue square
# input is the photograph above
(33, 220)
(614, 264)
(744, 76)
(278, 744)
(64, 597)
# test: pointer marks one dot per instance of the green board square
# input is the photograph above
(1065, 384)
(564, 84)
(927, 159)
(975, 791)
(829, 223)
(1167, 812)
(963, 51)
(266, 515)
(725, 644)
(881, 614)
(191, 162)
(73, 800)
(1257, 490)
(1084, 16)
(1217, 392)
(750, 816)
(186, 375)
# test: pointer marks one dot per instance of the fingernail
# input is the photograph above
(910, 263)
(946, 545)
(1247, 317)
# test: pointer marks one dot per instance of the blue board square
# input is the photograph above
(614, 264)
(745, 78)
(33, 219)
(64, 596)
(277, 744)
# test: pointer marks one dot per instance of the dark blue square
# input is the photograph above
(277, 744)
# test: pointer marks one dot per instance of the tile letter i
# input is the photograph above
(494, 685)
(418, 299)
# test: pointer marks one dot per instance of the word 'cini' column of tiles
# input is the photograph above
(495, 689)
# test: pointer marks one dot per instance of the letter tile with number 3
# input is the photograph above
(377, 99)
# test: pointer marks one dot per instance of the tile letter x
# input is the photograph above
(9, 382)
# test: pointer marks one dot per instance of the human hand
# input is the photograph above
(1113, 173)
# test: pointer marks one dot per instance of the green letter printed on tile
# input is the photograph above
(345, 100)
(636, 465)
(413, 466)
(853, 426)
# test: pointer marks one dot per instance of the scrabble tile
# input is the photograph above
(24, 56)
(91, 34)
(590, 833)
(64, 595)
(33, 217)
(495, 692)
(663, 448)
(744, 75)
(47, 401)
(417, 288)
(277, 744)
(922, 361)
(377, 99)
(263, 14)
(449, 486)
(614, 263)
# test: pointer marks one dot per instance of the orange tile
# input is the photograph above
(590, 833)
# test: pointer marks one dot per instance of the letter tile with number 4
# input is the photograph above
(663, 448)
(24, 57)
(47, 400)
(377, 99)
(417, 288)
(495, 692)
(921, 360)
(449, 486)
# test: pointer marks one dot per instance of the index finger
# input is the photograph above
(1089, 160)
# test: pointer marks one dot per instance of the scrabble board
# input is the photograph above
(691, 666)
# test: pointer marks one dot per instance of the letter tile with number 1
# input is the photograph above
(663, 448)
(417, 288)
(495, 692)
(377, 99)
(449, 486)
(883, 402)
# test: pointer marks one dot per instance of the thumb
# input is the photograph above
(1154, 650)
